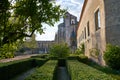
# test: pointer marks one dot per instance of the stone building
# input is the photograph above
(99, 25)
(67, 31)
(60, 35)
(44, 46)
(66, 34)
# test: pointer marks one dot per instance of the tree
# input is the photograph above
(21, 18)
(60, 50)
(31, 43)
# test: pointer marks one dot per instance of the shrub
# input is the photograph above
(81, 71)
(43, 56)
(44, 72)
(8, 50)
(112, 56)
(60, 50)
(83, 58)
(4, 55)
(81, 49)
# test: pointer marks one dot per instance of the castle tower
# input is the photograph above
(70, 22)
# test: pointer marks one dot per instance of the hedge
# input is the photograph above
(81, 71)
(45, 72)
(11, 69)
(82, 58)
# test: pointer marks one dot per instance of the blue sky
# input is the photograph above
(73, 6)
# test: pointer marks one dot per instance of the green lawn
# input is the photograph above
(81, 71)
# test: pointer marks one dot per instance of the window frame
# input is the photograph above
(97, 19)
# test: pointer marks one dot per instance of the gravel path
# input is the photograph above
(17, 58)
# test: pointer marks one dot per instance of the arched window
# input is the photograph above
(72, 21)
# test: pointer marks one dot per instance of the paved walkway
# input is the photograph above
(17, 58)
(62, 74)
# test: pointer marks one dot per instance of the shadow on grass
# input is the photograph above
(114, 73)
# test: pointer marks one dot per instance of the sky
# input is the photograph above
(73, 6)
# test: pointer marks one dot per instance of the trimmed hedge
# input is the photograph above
(44, 72)
(81, 71)
(44, 56)
(83, 58)
(12, 69)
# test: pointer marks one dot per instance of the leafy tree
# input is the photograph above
(30, 43)
(60, 50)
(8, 50)
(21, 18)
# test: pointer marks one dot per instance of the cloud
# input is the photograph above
(73, 6)
(76, 2)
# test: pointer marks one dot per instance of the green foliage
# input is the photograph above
(94, 52)
(7, 51)
(80, 71)
(60, 50)
(113, 73)
(82, 58)
(31, 43)
(81, 49)
(28, 44)
(24, 17)
(112, 56)
(41, 56)
(44, 72)
(11, 69)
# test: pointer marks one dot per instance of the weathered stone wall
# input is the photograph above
(112, 12)
(44, 46)
(97, 39)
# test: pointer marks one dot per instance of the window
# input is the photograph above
(97, 19)
(88, 29)
(85, 32)
(72, 21)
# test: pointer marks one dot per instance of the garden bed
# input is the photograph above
(45, 72)
(12, 69)
(81, 71)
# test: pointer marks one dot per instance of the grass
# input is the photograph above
(114, 73)
(44, 72)
(81, 71)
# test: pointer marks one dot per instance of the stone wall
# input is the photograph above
(112, 12)
(97, 38)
